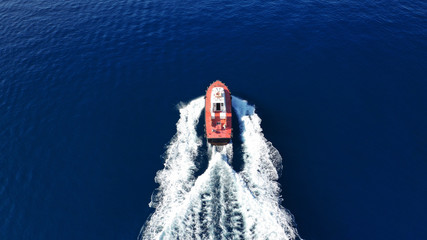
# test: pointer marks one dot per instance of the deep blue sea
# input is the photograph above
(89, 93)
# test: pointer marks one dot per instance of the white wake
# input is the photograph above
(220, 203)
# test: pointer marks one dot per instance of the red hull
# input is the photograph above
(218, 114)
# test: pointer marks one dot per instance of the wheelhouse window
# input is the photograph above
(218, 107)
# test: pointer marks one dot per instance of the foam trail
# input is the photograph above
(177, 177)
(262, 167)
(220, 203)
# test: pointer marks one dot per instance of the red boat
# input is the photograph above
(218, 114)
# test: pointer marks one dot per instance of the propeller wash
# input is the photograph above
(221, 203)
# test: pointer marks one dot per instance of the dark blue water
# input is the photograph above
(88, 94)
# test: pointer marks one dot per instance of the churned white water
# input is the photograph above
(220, 203)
